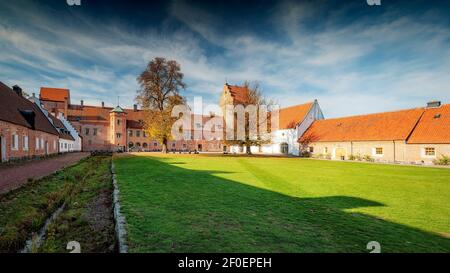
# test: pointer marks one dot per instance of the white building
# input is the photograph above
(293, 122)
(69, 139)
(76, 146)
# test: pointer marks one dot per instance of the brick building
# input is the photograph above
(25, 131)
(108, 129)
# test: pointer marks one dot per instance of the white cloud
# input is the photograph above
(399, 62)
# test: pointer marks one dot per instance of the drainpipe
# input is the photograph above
(393, 142)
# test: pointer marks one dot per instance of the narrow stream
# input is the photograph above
(35, 242)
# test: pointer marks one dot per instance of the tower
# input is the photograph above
(118, 131)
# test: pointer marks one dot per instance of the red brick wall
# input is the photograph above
(7, 130)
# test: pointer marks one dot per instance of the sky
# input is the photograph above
(352, 57)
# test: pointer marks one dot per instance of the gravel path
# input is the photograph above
(12, 177)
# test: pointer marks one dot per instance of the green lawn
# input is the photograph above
(206, 203)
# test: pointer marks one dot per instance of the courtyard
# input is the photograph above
(225, 203)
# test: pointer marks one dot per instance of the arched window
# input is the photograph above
(144, 145)
(130, 145)
(138, 144)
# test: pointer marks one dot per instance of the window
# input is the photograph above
(198, 125)
(284, 148)
(90, 142)
(37, 144)
(14, 142)
(144, 134)
(65, 145)
(173, 145)
(155, 144)
(95, 132)
(118, 135)
(430, 151)
(379, 151)
(325, 150)
(86, 131)
(118, 122)
(138, 144)
(138, 133)
(311, 149)
(184, 145)
(144, 145)
(60, 145)
(42, 143)
(130, 133)
(54, 144)
(25, 143)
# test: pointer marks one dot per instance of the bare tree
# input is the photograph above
(305, 142)
(255, 133)
(160, 86)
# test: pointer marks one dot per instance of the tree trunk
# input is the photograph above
(164, 146)
(248, 149)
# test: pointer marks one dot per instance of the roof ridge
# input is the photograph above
(301, 104)
(378, 113)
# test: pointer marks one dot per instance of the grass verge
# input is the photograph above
(85, 189)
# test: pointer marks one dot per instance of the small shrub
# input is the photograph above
(368, 158)
(351, 157)
(305, 154)
(443, 160)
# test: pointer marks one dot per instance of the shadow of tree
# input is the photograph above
(173, 209)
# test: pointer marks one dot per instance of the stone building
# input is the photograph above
(417, 136)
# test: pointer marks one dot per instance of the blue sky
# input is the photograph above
(352, 57)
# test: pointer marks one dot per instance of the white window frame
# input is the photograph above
(37, 144)
(42, 143)
(424, 154)
(25, 143)
(14, 142)
(374, 151)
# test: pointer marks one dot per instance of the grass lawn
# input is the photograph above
(212, 203)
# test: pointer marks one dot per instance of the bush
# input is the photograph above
(368, 158)
(305, 154)
(443, 160)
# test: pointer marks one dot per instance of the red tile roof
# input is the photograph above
(239, 93)
(289, 117)
(20, 111)
(54, 94)
(377, 127)
(433, 127)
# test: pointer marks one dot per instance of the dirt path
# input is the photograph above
(15, 176)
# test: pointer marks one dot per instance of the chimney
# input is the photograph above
(103, 104)
(66, 105)
(433, 104)
(17, 90)
(34, 95)
(82, 103)
(135, 107)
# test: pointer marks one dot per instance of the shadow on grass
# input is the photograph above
(173, 209)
